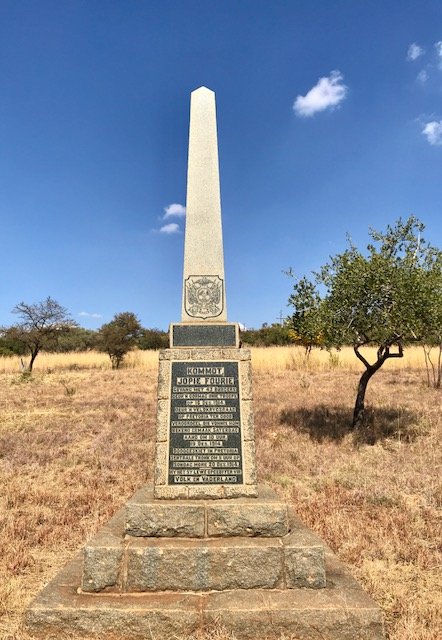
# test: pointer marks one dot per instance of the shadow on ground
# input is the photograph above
(334, 423)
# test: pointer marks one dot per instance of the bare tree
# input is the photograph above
(40, 326)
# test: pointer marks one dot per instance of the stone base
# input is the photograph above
(248, 564)
(242, 543)
(341, 611)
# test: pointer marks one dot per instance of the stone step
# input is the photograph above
(121, 563)
(340, 611)
(174, 564)
(264, 516)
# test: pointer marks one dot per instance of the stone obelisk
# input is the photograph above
(204, 293)
(205, 436)
(204, 309)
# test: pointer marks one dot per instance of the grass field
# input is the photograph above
(76, 439)
(269, 359)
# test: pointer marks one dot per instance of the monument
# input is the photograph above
(205, 440)
(206, 543)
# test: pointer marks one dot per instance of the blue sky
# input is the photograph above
(329, 121)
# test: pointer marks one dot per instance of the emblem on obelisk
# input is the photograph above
(204, 296)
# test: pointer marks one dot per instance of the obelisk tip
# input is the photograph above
(202, 89)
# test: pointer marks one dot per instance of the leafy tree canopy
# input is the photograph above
(306, 323)
(119, 336)
(153, 339)
(267, 335)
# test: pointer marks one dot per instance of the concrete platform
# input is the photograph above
(341, 611)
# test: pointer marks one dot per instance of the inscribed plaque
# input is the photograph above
(205, 424)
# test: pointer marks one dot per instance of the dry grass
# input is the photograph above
(53, 362)
(264, 359)
(76, 441)
(282, 358)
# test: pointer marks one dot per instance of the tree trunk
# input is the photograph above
(33, 356)
(370, 369)
(359, 410)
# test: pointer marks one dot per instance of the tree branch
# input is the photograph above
(360, 356)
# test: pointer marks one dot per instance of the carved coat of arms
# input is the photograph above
(204, 296)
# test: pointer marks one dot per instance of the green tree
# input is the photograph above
(305, 324)
(153, 339)
(119, 336)
(78, 339)
(10, 346)
(266, 336)
(384, 297)
(41, 326)
(428, 289)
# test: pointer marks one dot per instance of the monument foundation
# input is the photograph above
(205, 543)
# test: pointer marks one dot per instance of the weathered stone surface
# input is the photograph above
(247, 420)
(103, 557)
(210, 492)
(147, 517)
(265, 515)
(203, 565)
(163, 379)
(166, 492)
(239, 519)
(243, 353)
(184, 521)
(245, 568)
(249, 461)
(207, 353)
(162, 569)
(304, 567)
(337, 613)
(60, 610)
(158, 557)
(174, 354)
(246, 380)
(204, 492)
(160, 470)
(163, 407)
(341, 611)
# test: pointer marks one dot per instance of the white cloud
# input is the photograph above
(172, 227)
(438, 46)
(174, 210)
(433, 132)
(414, 51)
(86, 314)
(422, 76)
(327, 93)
